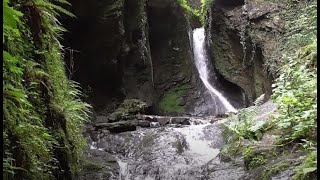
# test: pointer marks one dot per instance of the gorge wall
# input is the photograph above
(241, 38)
(137, 50)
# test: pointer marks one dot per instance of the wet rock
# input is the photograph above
(102, 119)
(164, 120)
(133, 106)
(128, 110)
(150, 118)
(225, 157)
(224, 171)
(154, 124)
(186, 122)
(117, 127)
(285, 175)
(94, 135)
(215, 120)
(143, 123)
(105, 132)
(172, 153)
(121, 126)
(222, 115)
(181, 145)
(99, 165)
(179, 120)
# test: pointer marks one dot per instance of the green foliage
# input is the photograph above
(171, 101)
(185, 5)
(308, 169)
(295, 90)
(294, 93)
(296, 96)
(38, 99)
(205, 5)
(246, 127)
(253, 159)
(275, 169)
(233, 141)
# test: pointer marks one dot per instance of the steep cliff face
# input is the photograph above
(134, 49)
(114, 60)
(97, 37)
(171, 52)
(241, 38)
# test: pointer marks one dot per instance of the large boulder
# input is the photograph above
(128, 110)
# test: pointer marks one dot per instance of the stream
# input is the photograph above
(174, 151)
(171, 152)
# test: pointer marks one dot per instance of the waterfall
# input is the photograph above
(201, 61)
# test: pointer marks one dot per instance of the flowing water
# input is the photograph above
(173, 151)
(201, 61)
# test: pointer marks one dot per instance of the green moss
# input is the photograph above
(186, 6)
(253, 158)
(205, 5)
(307, 170)
(171, 101)
(91, 166)
(275, 169)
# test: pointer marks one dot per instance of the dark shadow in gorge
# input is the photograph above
(229, 3)
(96, 59)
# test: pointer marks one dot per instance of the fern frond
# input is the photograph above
(52, 8)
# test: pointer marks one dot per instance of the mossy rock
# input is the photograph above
(91, 166)
(308, 169)
(280, 165)
(275, 169)
(172, 101)
(256, 156)
(132, 106)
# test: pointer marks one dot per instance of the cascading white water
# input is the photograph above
(201, 59)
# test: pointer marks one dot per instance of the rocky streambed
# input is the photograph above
(126, 145)
(168, 148)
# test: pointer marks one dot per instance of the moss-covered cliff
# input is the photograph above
(43, 114)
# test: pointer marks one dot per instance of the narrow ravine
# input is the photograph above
(175, 148)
